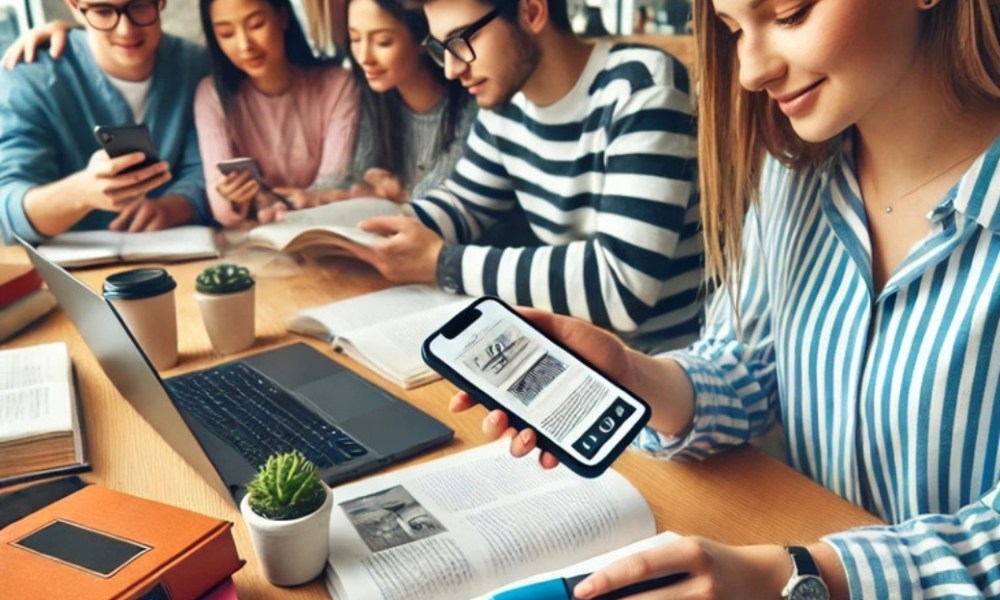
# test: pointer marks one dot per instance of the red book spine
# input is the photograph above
(19, 287)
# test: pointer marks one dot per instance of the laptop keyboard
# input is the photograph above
(257, 418)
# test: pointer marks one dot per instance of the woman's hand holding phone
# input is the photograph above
(238, 187)
(604, 350)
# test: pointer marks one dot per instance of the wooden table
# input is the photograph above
(742, 496)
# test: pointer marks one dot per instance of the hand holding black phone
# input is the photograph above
(120, 140)
(504, 362)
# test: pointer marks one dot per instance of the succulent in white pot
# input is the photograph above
(225, 296)
(287, 511)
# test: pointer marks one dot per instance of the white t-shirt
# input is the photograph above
(135, 93)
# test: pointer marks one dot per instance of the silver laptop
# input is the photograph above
(226, 420)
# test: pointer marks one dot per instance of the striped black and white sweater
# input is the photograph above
(606, 178)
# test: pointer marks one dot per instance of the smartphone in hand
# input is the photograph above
(248, 164)
(239, 165)
(503, 361)
(119, 140)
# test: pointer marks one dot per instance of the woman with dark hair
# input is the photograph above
(270, 100)
(413, 120)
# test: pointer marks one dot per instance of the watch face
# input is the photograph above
(809, 588)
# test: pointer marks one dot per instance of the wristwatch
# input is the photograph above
(805, 582)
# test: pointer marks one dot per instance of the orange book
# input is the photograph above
(97, 543)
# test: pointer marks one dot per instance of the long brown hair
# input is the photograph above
(737, 127)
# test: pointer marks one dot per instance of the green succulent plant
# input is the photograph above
(224, 279)
(286, 487)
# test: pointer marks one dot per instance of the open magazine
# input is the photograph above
(461, 526)
(329, 229)
(383, 330)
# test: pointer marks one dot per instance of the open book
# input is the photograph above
(384, 330)
(86, 248)
(326, 229)
(472, 522)
(40, 433)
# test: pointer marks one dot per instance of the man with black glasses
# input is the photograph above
(595, 142)
(120, 70)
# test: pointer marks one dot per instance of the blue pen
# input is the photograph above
(562, 589)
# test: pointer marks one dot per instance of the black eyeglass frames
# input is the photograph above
(458, 43)
(105, 17)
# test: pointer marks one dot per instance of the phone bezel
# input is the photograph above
(134, 138)
(544, 442)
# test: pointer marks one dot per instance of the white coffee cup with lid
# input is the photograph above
(144, 298)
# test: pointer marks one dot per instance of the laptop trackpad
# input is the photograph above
(344, 396)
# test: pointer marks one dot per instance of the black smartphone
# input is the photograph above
(503, 361)
(119, 140)
(238, 165)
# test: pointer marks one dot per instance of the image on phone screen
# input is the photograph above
(503, 361)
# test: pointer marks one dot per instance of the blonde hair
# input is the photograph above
(737, 127)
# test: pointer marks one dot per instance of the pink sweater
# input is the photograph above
(298, 138)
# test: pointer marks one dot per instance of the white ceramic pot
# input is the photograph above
(229, 319)
(291, 552)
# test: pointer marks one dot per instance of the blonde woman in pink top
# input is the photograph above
(270, 100)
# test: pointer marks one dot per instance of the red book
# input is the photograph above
(17, 281)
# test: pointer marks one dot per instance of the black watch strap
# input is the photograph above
(803, 561)
(449, 269)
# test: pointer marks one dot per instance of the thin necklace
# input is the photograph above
(888, 207)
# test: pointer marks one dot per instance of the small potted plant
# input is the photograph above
(225, 295)
(287, 510)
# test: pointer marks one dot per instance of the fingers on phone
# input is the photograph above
(129, 186)
(523, 443)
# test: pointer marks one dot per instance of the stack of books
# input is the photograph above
(22, 299)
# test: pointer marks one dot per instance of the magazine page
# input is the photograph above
(471, 522)
(589, 565)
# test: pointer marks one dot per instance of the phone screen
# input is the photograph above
(500, 357)
(125, 139)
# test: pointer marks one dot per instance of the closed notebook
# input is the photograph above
(86, 248)
(101, 544)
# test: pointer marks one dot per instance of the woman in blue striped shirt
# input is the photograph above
(859, 298)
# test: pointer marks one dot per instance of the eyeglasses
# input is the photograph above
(105, 17)
(458, 43)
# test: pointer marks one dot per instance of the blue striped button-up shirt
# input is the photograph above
(890, 399)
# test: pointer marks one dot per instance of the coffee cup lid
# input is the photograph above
(138, 283)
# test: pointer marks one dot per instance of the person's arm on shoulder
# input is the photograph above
(24, 48)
